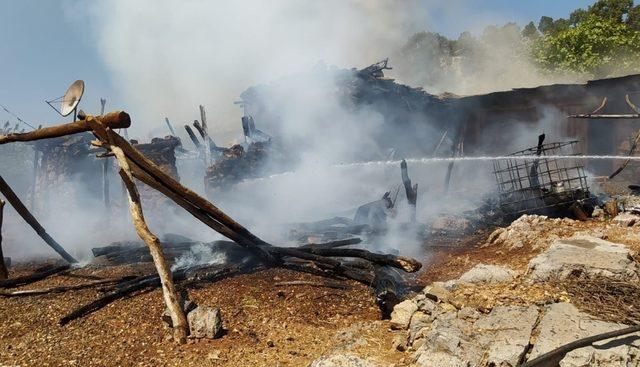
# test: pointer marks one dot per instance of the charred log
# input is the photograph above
(410, 191)
(147, 282)
(17, 204)
(28, 279)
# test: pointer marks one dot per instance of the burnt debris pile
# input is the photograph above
(236, 164)
(330, 259)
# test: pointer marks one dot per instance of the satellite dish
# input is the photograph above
(70, 100)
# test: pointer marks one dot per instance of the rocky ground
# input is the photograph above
(497, 299)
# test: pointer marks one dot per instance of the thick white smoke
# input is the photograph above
(166, 57)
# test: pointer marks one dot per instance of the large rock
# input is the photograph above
(585, 254)
(626, 219)
(402, 312)
(564, 323)
(483, 273)
(466, 338)
(342, 360)
(205, 322)
(505, 333)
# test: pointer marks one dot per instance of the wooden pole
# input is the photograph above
(4, 273)
(105, 169)
(171, 299)
(457, 150)
(118, 119)
(35, 178)
(17, 204)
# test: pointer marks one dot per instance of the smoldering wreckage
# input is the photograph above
(545, 181)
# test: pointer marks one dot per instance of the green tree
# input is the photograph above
(596, 46)
(549, 26)
(530, 31)
(615, 10)
(545, 25)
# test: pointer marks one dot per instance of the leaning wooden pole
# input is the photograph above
(4, 273)
(171, 299)
(17, 204)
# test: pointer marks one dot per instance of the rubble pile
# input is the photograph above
(237, 164)
(162, 152)
(531, 231)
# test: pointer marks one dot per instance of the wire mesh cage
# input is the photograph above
(545, 180)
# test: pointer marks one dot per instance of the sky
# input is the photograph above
(46, 45)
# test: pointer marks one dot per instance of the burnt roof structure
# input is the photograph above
(414, 121)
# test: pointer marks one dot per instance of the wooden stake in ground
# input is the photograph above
(458, 144)
(4, 273)
(171, 299)
(15, 202)
(410, 191)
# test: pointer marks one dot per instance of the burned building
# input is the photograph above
(414, 121)
(411, 119)
(66, 169)
(485, 116)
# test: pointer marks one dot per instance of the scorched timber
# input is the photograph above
(17, 204)
(189, 276)
(28, 279)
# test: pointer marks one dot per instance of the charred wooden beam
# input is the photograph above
(333, 244)
(17, 204)
(192, 136)
(209, 273)
(458, 144)
(410, 191)
(114, 120)
(28, 279)
(407, 264)
(60, 289)
(173, 132)
(4, 273)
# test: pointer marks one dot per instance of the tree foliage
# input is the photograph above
(600, 41)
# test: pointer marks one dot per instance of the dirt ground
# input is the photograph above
(266, 324)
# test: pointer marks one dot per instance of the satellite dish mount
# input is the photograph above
(69, 101)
